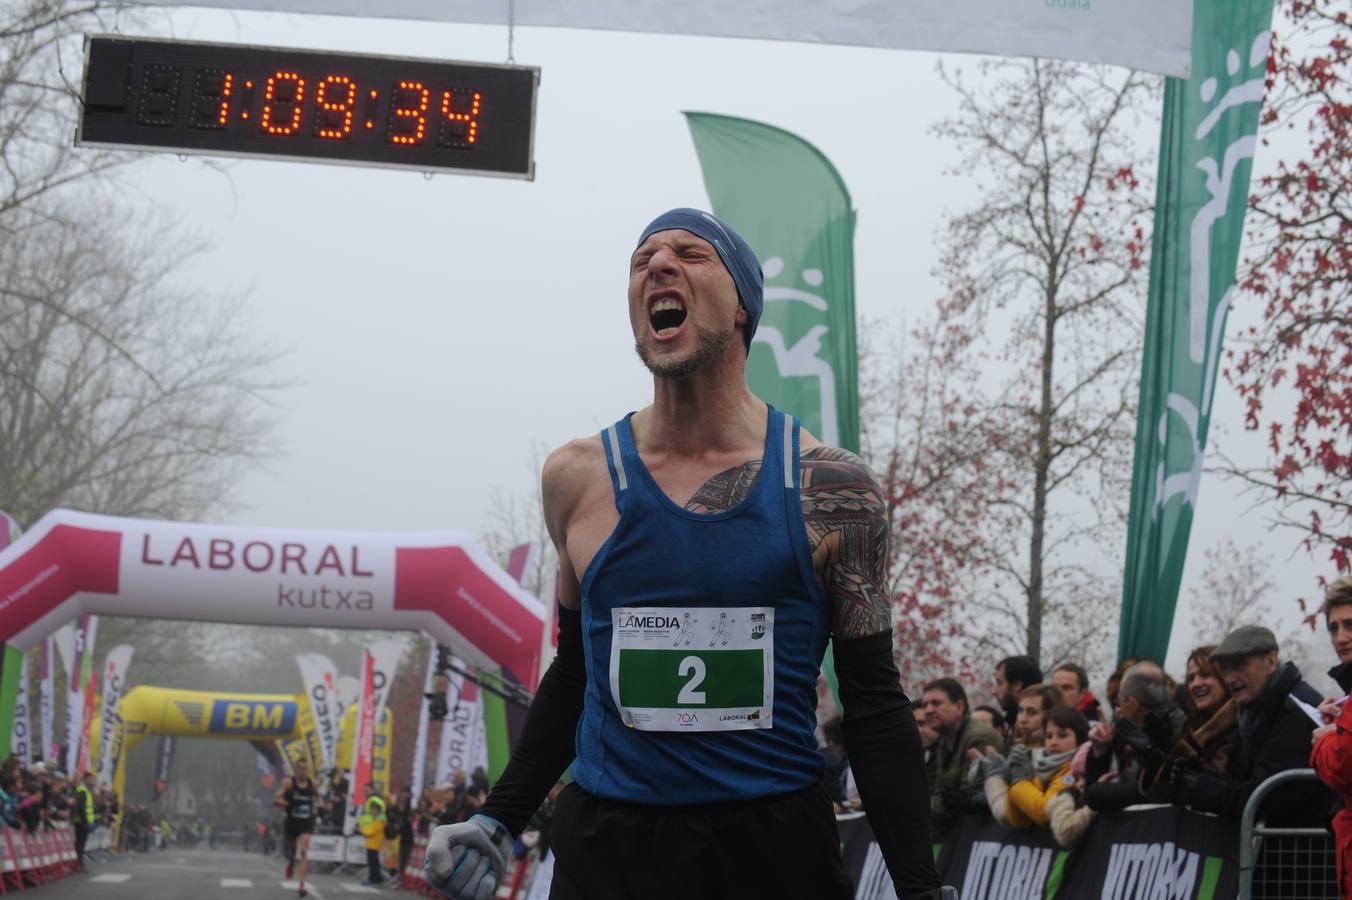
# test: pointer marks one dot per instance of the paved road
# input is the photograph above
(199, 875)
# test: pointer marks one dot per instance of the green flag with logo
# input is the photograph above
(1208, 138)
(791, 205)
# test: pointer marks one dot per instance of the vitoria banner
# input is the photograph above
(72, 563)
(1154, 35)
(1136, 854)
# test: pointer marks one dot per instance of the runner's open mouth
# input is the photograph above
(666, 316)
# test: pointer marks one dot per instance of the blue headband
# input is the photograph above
(737, 255)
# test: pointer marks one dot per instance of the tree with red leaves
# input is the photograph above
(1009, 455)
(1299, 265)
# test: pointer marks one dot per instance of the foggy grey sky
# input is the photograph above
(435, 330)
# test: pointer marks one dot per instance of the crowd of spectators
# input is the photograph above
(42, 796)
(1048, 754)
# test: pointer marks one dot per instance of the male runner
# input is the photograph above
(708, 548)
(299, 797)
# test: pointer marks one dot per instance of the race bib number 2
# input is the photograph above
(702, 669)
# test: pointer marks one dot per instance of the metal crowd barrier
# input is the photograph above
(28, 860)
(1290, 863)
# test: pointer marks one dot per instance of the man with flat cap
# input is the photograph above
(708, 548)
(1274, 735)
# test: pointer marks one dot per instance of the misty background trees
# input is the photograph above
(122, 390)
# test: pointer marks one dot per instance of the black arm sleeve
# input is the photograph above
(548, 739)
(887, 760)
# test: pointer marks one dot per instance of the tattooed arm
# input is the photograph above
(846, 518)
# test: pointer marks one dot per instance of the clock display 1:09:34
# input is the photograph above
(340, 108)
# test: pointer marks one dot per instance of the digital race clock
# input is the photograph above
(297, 104)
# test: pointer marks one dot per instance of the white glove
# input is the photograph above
(467, 861)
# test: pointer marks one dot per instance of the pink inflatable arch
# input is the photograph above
(71, 563)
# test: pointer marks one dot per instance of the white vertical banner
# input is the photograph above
(21, 731)
(420, 743)
(385, 658)
(321, 687)
(46, 701)
(463, 745)
(349, 691)
(113, 686)
(64, 640)
(74, 661)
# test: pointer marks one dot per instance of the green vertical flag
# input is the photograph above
(12, 658)
(791, 205)
(1207, 142)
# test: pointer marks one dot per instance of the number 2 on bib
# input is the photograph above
(691, 665)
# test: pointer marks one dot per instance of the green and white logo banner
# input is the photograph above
(1142, 34)
(791, 205)
(1209, 135)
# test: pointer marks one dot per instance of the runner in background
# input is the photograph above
(299, 797)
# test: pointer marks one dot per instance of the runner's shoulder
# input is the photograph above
(813, 451)
(827, 467)
(571, 471)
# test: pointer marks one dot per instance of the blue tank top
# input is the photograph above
(670, 580)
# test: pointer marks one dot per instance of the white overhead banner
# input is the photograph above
(1154, 35)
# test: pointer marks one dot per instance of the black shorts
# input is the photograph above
(782, 846)
(296, 827)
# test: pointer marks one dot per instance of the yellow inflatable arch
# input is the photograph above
(147, 711)
(283, 718)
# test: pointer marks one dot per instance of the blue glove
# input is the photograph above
(467, 861)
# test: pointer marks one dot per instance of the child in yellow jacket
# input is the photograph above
(1065, 730)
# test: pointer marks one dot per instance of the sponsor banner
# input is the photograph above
(253, 717)
(989, 862)
(385, 661)
(1208, 138)
(336, 848)
(1165, 852)
(424, 721)
(442, 583)
(1143, 34)
(362, 745)
(21, 730)
(306, 746)
(81, 673)
(164, 762)
(326, 847)
(46, 701)
(321, 685)
(349, 689)
(114, 683)
(463, 743)
(84, 761)
(1138, 854)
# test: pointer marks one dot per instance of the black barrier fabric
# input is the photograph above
(987, 862)
(1164, 853)
(1161, 852)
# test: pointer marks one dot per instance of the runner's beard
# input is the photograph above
(709, 345)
